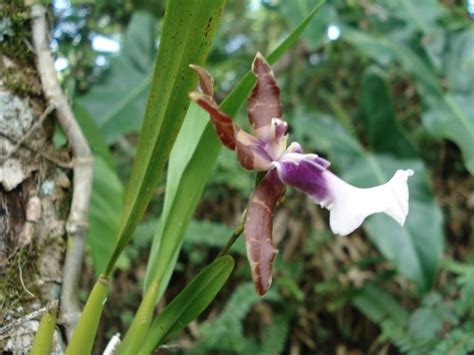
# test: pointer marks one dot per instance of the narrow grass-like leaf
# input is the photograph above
(191, 163)
(190, 302)
(189, 26)
(188, 29)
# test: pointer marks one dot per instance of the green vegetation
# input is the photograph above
(371, 86)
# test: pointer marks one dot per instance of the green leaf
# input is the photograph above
(381, 128)
(226, 332)
(190, 303)
(94, 136)
(107, 194)
(82, 340)
(449, 114)
(275, 335)
(118, 101)
(421, 15)
(414, 249)
(104, 214)
(377, 305)
(187, 31)
(459, 62)
(295, 11)
(191, 163)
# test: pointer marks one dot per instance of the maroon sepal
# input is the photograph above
(264, 101)
(250, 151)
(222, 123)
(206, 81)
(258, 230)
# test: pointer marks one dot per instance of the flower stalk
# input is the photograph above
(235, 235)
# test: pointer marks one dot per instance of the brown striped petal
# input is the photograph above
(251, 151)
(221, 122)
(258, 230)
(264, 101)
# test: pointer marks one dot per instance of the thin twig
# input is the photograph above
(35, 314)
(235, 235)
(77, 224)
(22, 282)
(62, 164)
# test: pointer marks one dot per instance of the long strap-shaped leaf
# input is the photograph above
(191, 163)
(188, 28)
(190, 303)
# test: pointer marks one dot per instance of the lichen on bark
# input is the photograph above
(32, 217)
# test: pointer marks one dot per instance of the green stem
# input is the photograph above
(43, 341)
(235, 235)
(82, 339)
(138, 330)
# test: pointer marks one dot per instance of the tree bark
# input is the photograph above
(35, 191)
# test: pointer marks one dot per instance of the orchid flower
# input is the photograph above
(266, 151)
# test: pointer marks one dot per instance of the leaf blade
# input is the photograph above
(185, 39)
(118, 99)
(189, 303)
(448, 114)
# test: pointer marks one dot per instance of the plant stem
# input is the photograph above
(44, 337)
(133, 340)
(235, 235)
(83, 337)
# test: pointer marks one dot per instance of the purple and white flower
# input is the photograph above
(266, 150)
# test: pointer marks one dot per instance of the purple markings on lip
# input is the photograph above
(305, 172)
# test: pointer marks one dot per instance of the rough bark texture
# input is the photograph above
(34, 192)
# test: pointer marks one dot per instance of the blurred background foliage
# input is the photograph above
(373, 86)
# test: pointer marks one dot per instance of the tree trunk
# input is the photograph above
(35, 190)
